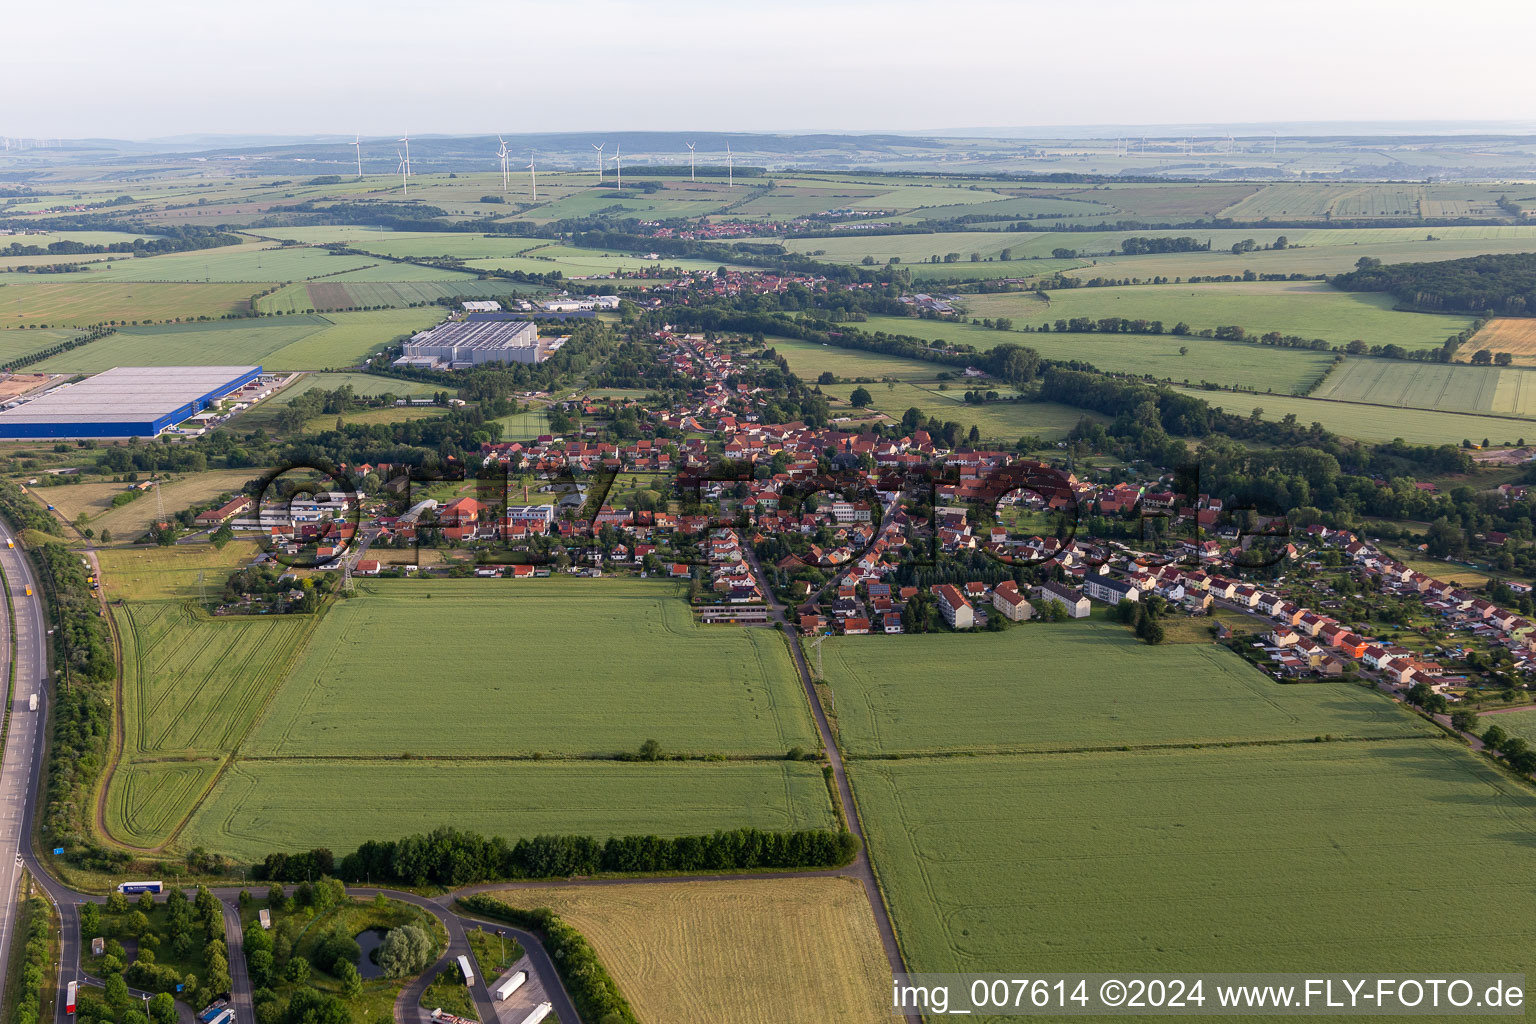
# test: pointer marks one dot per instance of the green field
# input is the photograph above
(260, 806)
(1443, 387)
(997, 421)
(1243, 859)
(192, 686)
(644, 671)
(809, 360)
(310, 342)
(1092, 685)
(1308, 309)
(1516, 723)
(245, 263)
(1229, 363)
(262, 416)
(63, 301)
(1372, 422)
(524, 426)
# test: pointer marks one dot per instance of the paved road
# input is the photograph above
(861, 868)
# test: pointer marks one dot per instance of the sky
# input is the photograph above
(155, 68)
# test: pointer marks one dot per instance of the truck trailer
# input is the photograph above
(212, 1010)
(129, 888)
(466, 970)
(538, 1013)
(511, 985)
(69, 998)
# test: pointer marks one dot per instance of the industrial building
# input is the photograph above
(125, 401)
(478, 338)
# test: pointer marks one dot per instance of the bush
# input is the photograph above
(406, 952)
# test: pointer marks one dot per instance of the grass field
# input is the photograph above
(310, 342)
(1216, 859)
(129, 522)
(259, 805)
(1309, 309)
(244, 263)
(1096, 686)
(262, 416)
(644, 670)
(998, 421)
(1373, 422)
(524, 426)
(70, 303)
(171, 574)
(1438, 386)
(1517, 336)
(758, 951)
(1230, 363)
(808, 360)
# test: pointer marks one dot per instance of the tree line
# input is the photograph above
(452, 857)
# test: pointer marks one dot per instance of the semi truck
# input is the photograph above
(466, 970)
(130, 888)
(212, 1010)
(511, 985)
(224, 1016)
(538, 1013)
(69, 999)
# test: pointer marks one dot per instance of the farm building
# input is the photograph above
(125, 401)
(479, 338)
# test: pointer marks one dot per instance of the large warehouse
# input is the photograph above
(125, 401)
(479, 338)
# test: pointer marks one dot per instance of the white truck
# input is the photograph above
(511, 985)
(32, 702)
(466, 970)
(539, 1013)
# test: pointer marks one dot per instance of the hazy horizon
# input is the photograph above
(167, 69)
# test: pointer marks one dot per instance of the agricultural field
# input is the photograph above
(192, 686)
(253, 263)
(1516, 723)
(1250, 858)
(1004, 422)
(1445, 388)
(1349, 201)
(1095, 686)
(1372, 422)
(306, 342)
(1330, 255)
(263, 805)
(1517, 336)
(700, 951)
(17, 343)
(645, 671)
(1308, 309)
(27, 299)
(1228, 363)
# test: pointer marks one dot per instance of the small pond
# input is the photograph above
(370, 941)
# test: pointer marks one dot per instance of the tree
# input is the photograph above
(860, 397)
(222, 536)
(1482, 357)
(106, 536)
(827, 377)
(117, 994)
(351, 981)
(650, 750)
(297, 970)
(1493, 736)
(260, 963)
(90, 920)
(277, 899)
(117, 903)
(1463, 720)
(162, 1008)
(406, 951)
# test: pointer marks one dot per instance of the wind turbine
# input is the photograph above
(405, 171)
(618, 167)
(357, 144)
(730, 179)
(407, 158)
(503, 155)
(533, 176)
(690, 160)
(599, 160)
